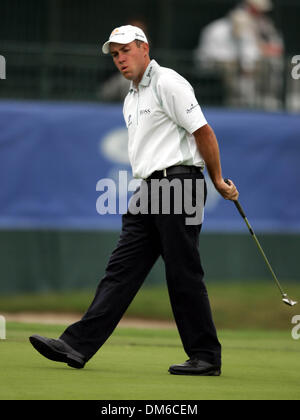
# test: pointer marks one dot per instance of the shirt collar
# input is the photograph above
(146, 79)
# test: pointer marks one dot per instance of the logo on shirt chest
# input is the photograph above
(145, 111)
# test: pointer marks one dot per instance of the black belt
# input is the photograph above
(176, 170)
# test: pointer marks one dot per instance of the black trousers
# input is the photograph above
(144, 237)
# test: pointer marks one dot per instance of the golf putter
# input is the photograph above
(285, 297)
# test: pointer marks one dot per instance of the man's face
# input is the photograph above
(130, 59)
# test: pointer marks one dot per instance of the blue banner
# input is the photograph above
(53, 155)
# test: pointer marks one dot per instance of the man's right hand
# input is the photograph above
(227, 191)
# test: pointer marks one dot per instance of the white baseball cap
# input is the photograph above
(263, 5)
(124, 35)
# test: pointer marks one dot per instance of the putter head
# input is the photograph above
(288, 301)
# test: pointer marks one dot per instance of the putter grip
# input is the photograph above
(240, 209)
(237, 204)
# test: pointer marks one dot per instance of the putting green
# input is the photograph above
(133, 365)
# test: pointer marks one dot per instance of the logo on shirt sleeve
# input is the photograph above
(191, 108)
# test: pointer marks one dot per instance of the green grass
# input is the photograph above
(133, 365)
(235, 305)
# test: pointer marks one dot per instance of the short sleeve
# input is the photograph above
(179, 102)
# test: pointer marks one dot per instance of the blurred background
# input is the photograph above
(62, 130)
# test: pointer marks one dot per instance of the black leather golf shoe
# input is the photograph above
(57, 350)
(195, 366)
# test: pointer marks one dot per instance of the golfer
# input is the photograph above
(169, 139)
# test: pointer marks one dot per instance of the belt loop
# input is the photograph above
(165, 172)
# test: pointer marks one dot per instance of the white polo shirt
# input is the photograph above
(161, 116)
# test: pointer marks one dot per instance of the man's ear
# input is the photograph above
(146, 48)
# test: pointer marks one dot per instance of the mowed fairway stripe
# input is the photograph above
(133, 365)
